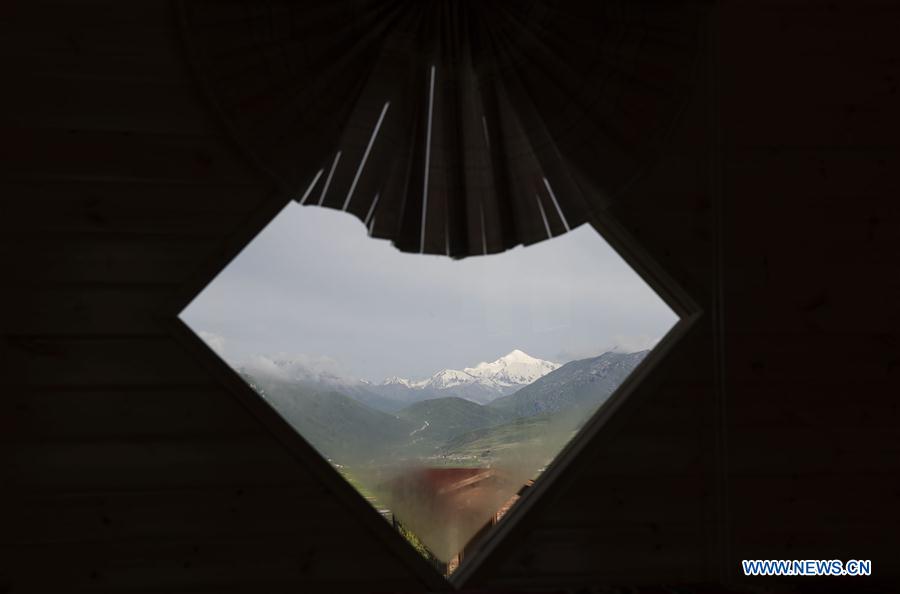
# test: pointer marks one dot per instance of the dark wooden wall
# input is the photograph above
(124, 464)
(771, 432)
(811, 136)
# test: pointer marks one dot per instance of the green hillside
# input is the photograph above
(528, 426)
(576, 386)
(341, 428)
(532, 441)
(441, 419)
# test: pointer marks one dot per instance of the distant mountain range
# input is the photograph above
(583, 384)
(482, 383)
(339, 427)
(441, 419)
(350, 422)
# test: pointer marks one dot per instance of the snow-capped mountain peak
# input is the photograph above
(514, 369)
(396, 381)
(517, 355)
(483, 382)
(448, 378)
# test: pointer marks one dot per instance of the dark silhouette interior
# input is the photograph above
(130, 461)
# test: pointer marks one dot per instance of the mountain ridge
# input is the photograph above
(542, 414)
(482, 383)
(581, 384)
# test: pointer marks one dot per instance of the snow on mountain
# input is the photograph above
(448, 378)
(583, 384)
(515, 369)
(397, 381)
(323, 371)
(484, 382)
(326, 374)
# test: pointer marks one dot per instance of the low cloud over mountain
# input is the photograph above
(482, 383)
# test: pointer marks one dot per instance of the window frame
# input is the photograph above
(567, 461)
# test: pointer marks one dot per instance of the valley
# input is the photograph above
(534, 421)
(435, 463)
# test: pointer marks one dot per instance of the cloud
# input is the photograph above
(619, 343)
(314, 282)
(298, 367)
(215, 341)
(632, 344)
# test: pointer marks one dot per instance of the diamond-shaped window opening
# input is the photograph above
(440, 389)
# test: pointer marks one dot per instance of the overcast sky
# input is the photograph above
(314, 285)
